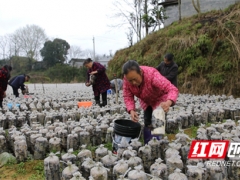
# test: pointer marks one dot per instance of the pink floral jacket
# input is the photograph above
(154, 89)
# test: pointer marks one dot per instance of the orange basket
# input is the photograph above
(85, 104)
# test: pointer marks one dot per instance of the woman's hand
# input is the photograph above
(166, 105)
(93, 72)
(87, 84)
(4, 94)
(24, 92)
(134, 116)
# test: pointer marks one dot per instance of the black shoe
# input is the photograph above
(103, 104)
(98, 103)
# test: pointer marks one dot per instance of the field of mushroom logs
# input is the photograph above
(50, 126)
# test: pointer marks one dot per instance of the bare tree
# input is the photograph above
(138, 14)
(158, 16)
(130, 37)
(196, 6)
(142, 16)
(3, 46)
(75, 52)
(90, 54)
(30, 39)
(146, 13)
(130, 14)
(14, 46)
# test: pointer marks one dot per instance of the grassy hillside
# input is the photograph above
(206, 49)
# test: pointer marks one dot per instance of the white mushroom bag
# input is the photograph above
(158, 121)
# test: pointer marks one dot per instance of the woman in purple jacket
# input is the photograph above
(101, 82)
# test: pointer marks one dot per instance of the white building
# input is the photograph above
(104, 60)
(74, 62)
(79, 62)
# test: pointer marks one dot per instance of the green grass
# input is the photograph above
(14, 176)
(21, 168)
(108, 146)
(75, 152)
(39, 172)
(194, 132)
(208, 124)
(92, 148)
(224, 121)
(141, 139)
(11, 162)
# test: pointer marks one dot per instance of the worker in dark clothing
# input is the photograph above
(169, 69)
(18, 82)
(4, 77)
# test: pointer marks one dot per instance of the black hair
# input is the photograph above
(8, 67)
(169, 57)
(27, 76)
(88, 60)
(131, 65)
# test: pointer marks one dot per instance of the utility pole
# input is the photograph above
(179, 10)
(93, 49)
(116, 87)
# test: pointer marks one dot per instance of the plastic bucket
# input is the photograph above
(85, 104)
(109, 91)
(127, 129)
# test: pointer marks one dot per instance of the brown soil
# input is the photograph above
(12, 172)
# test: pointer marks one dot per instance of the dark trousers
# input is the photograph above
(147, 135)
(104, 98)
(15, 91)
(148, 116)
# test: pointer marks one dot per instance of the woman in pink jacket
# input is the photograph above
(151, 88)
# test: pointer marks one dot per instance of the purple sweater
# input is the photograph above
(102, 83)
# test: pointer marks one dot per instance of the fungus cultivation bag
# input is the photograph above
(77, 176)
(137, 174)
(83, 154)
(120, 168)
(87, 165)
(52, 167)
(99, 172)
(6, 158)
(69, 171)
(177, 175)
(158, 121)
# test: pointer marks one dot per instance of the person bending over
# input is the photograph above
(151, 88)
(119, 85)
(18, 82)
